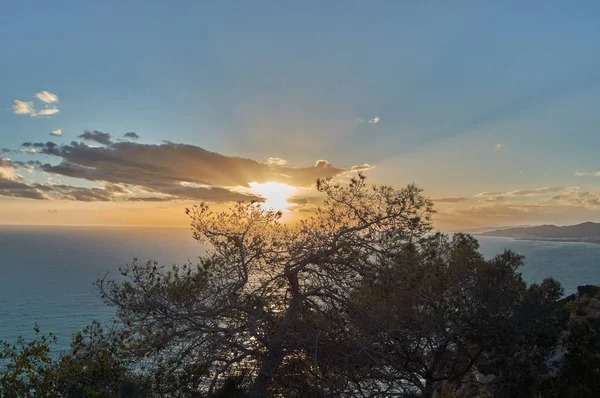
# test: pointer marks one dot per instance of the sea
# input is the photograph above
(47, 273)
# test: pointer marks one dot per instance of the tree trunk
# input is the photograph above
(429, 389)
(276, 353)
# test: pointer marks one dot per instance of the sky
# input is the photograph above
(124, 113)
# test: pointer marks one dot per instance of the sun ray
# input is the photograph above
(276, 194)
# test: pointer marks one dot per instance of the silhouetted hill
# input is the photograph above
(587, 231)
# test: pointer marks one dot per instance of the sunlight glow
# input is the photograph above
(275, 193)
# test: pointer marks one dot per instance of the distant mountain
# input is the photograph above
(482, 230)
(587, 231)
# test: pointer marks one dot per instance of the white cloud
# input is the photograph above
(47, 97)
(28, 108)
(23, 108)
(56, 132)
(580, 174)
(47, 112)
(375, 120)
(276, 162)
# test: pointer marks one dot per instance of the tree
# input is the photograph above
(95, 366)
(251, 307)
(432, 315)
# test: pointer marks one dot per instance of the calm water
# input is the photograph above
(46, 273)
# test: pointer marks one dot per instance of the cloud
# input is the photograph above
(487, 214)
(276, 162)
(57, 132)
(46, 112)
(47, 97)
(97, 136)
(498, 146)
(522, 192)
(178, 171)
(23, 108)
(12, 185)
(374, 120)
(132, 135)
(535, 192)
(495, 199)
(450, 200)
(487, 194)
(29, 151)
(28, 108)
(580, 174)
(578, 198)
(362, 167)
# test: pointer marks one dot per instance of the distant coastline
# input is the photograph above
(588, 232)
(568, 240)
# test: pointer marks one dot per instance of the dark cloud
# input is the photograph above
(12, 185)
(178, 170)
(47, 145)
(450, 200)
(132, 135)
(96, 136)
(168, 171)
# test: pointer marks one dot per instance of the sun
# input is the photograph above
(276, 194)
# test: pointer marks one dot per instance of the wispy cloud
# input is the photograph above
(57, 132)
(450, 200)
(579, 198)
(47, 97)
(535, 192)
(488, 194)
(46, 112)
(374, 120)
(521, 192)
(28, 108)
(581, 174)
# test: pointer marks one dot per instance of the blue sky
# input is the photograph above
(472, 97)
